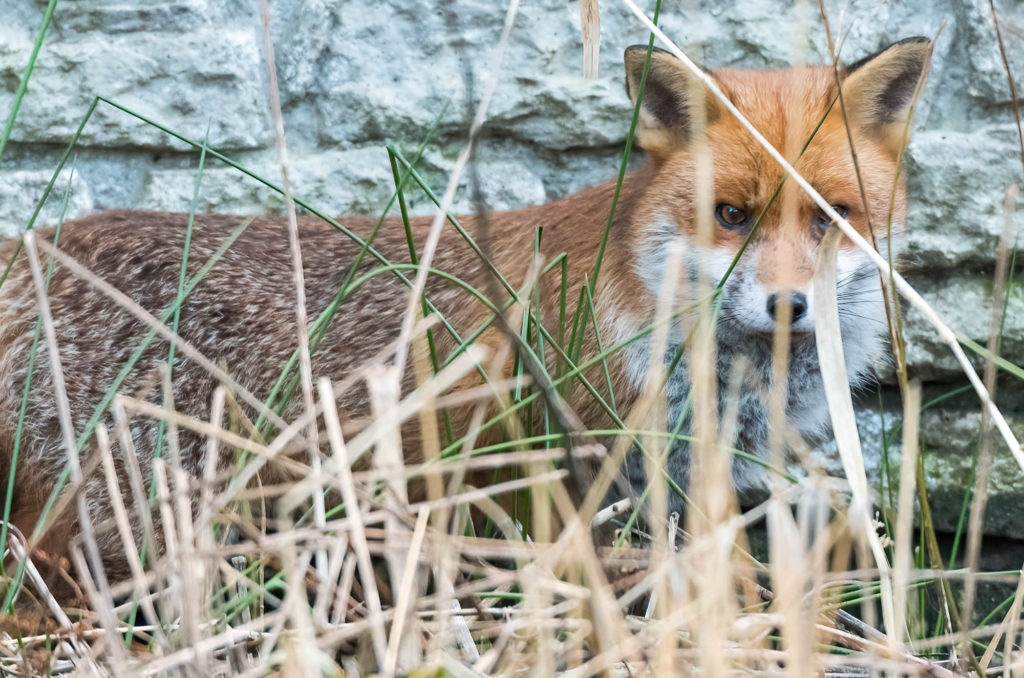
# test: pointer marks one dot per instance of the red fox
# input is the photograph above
(242, 316)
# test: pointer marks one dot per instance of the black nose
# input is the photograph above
(798, 301)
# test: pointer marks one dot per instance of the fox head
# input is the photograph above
(735, 194)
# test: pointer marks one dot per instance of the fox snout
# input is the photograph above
(759, 292)
(758, 309)
(798, 303)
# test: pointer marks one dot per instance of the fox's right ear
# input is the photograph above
(671, 94)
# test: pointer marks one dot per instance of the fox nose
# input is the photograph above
(798, 301)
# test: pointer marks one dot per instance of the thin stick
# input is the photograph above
(73, 645)
(104, 606)
(348, 493)
(301, 320)
(905, 510)
(406, 596)
(123, 522)
(434, 234)
(1011, 632)
(983, 471)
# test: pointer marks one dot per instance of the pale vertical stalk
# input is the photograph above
(192, 575)
(341, 593)
(787, 562)
(104, 607)
(301, 321)
(828, 341)
(779, 390)
(904, 288)
(983, 471)
(815, 535)
(655, 407)
(1011, 632)
(351, 499)
(434, 234)
(540, 505)
(430, 438)
(138, 486)
(536, 601)
(405, 603)
(296, 634)
(590, 26)
(709, 473)
(327, 586)
(171, 584)
(448, 604)
(701, 359)
(782, 335)
(788, 547)
(905, 511)
(123, 521)
(384, 384)
(212, 461)
(99, 595)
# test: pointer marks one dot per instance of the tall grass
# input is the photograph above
(357, 578)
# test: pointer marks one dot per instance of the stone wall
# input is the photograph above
(359, 74)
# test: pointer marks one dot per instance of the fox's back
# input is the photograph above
(241, 313)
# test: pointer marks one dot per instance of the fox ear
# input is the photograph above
(670, 92)
(879, 89)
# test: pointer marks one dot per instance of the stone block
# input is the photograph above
(21, 190)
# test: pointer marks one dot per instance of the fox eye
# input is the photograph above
(730, 217)
(822, 221)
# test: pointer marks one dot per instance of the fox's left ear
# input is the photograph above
(878, 90)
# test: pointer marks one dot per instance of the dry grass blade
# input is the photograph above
(348, 493)
(983, 471)
(406, 601)
(139, 581)
(905, 512)
(1013, 644)
(590, 26)
(98, 588)
(380, 553)
(434, 234)
(301, 321)
(840, 404)
(384, 385)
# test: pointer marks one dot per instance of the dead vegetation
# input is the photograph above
(343, 573)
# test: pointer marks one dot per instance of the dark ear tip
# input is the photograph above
(916, 39)
(634, 51)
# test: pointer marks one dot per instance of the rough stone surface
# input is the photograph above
(21, 191)
(359, 75)
(967, 303)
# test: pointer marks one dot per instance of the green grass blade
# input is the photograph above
(19, 95)
(23, 408)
